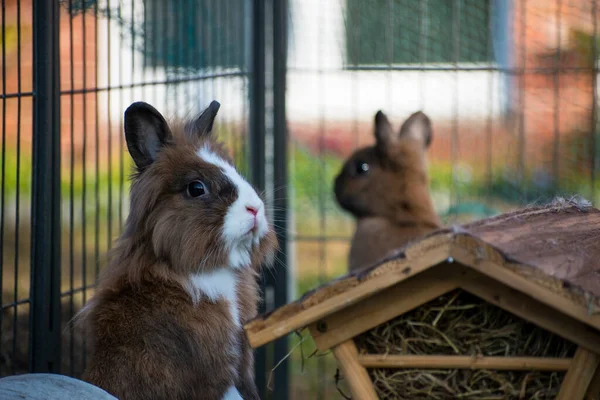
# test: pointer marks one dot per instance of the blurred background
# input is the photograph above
(510, 86)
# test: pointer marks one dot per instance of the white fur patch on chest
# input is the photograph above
(220, 284)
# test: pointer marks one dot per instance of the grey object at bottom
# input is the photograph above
(49, 387)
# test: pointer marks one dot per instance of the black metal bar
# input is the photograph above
(71, 292)
(256, 148)
(178, 51)
(167, 81)
(14, 304)
(454, 138)
(71, 195)
(321, 195)
(97, 153)
(121, 136)
(15, 95)
(448, 68)
(521, 161)
(279, 279)
(488, 131)
(45, 233)
(556, 81)
(110, 131)
(354, 26)
(3, 159)
(18, 193)
(167, 8)
(257, 95)
(84, 194)
(594, 127)
(317, 238)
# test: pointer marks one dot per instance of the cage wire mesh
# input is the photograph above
(510, 86)
(15, 195)
(178, 56)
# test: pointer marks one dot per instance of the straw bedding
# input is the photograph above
(459, 323)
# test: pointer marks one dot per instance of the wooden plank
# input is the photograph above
(593, 392)
(561, 241)
(531, 310)
(485, 259)
(509, 233)
(355, 374)
(383, 306)
(296, 316)
(579, 376)
(464, 362)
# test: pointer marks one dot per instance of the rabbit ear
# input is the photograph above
(146, 132)
(202, 126)
(383, 130)
(418, 127)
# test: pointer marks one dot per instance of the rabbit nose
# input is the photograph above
(252, 210)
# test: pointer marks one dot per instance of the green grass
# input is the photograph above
(10, 173)
(10, 38)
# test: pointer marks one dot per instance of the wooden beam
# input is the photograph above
(579, 376)
(464, 362)
(383, 306)
(326, 301)
(355, 374)
(531, 310)
(593, 392)
(485, 259)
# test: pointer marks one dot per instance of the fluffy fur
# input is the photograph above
(386, 188)
(166, 320)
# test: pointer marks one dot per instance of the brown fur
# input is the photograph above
(149, 339)
(390, 200)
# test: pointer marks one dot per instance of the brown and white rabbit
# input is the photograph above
(386, 188)
(166, 321)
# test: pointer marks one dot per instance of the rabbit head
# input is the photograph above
(190, 208)
(389, 179)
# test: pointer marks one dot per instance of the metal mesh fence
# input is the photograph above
(178, 56)
(15, 198)
(510, 87)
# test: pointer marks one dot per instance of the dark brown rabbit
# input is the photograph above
(166, 321)
(386, 188)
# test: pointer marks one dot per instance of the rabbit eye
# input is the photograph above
(196, 189)
(361, 167)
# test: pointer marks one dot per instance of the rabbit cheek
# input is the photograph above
(244, 223)
(346, 194)
(339, 187)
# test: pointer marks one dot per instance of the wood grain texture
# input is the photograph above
(579, 376)
(464, 362)
(593, 391)
(383, 306)
(549, 253)
(355, 374)
(523, 278)
(563, 243)
(345, 292)
(530, 310)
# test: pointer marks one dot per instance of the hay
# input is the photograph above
(465, 384)
(459, 323)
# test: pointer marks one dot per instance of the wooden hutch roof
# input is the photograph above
(550, 253)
